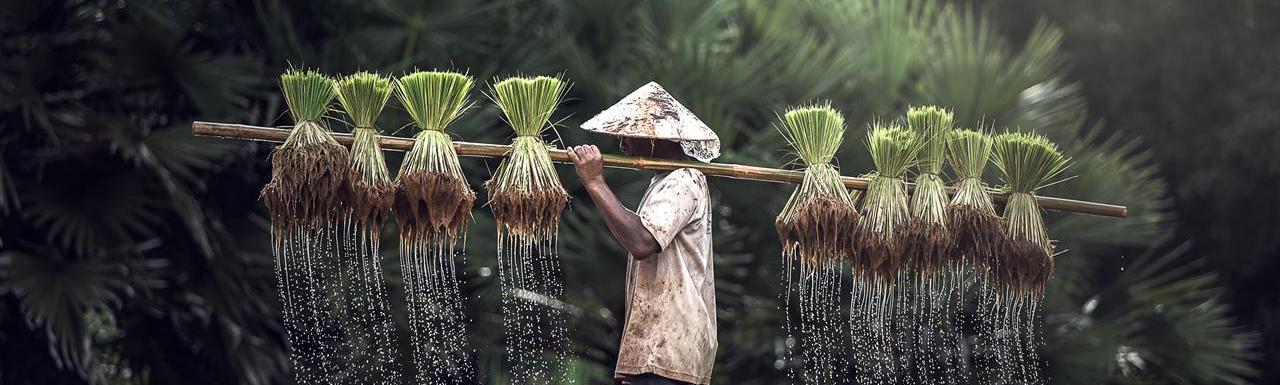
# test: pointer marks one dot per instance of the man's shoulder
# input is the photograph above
(690, 172)
(690, 175)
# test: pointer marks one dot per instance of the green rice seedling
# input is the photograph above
(880, 240)
(525, 193)
(305, 198)
(929, 244)
(1027, 162)
(820, 214)
(432, 196)
(878, 248)
(308, 169)
(976, 228)
(814, 226)
(368, 321)
(930, 277)
(433, 205)
(527, 198)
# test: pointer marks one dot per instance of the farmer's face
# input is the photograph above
(650, 148)
(636, 146)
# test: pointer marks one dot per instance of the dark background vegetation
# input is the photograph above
(132, 252)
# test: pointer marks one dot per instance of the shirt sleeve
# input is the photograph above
(670, 205)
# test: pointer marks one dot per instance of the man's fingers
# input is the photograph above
(573, 154)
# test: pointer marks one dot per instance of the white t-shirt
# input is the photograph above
(670, 327)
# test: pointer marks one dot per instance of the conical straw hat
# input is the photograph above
(651, 112)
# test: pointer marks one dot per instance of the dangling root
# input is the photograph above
(978, 235)
(927, 247)
(1027, 267)
(432, 205)
(525, 194)
(527, 213)
(879, 254)
(308, 180)
(816, 229)
(370, 203)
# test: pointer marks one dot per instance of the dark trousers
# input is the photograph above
(653, 379)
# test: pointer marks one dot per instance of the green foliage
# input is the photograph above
(434, 99)
(969, 152)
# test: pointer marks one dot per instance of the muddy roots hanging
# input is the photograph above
(304, 199)
(527, 198)
(368, 320)
(433, 205)
(1026, 162)
(814, 227)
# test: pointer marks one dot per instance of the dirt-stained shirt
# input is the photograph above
(670, 327)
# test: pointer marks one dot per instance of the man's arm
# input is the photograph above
(625, 225)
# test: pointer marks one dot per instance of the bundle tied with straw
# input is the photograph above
(308, 170)
(975, 227)
(433, 200)
(875, 309)
(525, 193)
(304, 199)
(363, 95)
(932, 276)
(433, 204)
(1027, 162)
(526, 199)
(370, 331)
(820, 216)
(928, 241)
(880, 240)
(815, 226)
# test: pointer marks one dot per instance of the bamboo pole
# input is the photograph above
(735, 171)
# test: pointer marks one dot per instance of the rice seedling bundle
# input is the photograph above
(878, 249)
(304, 199)
(525, 193)
(367, 324)
(929, 245)
(880, 241)
(814, 227)
(927, 286)
(1026, 162)
(433, 205)
(975, 227)
(820, 215)
(526, 198)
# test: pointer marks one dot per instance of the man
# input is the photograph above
(669, 336)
